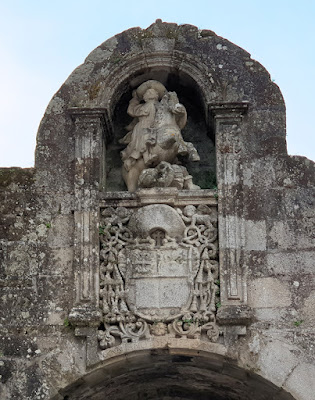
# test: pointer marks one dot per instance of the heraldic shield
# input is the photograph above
(159, 278)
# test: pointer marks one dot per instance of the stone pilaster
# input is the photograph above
(90, 132)
(227, 119)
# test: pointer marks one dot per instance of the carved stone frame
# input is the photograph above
(227, 121)
(92, 128)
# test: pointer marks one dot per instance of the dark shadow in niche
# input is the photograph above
(195, 131)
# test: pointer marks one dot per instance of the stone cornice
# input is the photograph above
(97, 112)
(228, 109)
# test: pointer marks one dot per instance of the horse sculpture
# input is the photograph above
(155, 136)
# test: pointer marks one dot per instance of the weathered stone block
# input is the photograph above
(269, 293)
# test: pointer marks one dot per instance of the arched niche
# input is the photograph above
(219, 71)
(171, 374)
(197, 130)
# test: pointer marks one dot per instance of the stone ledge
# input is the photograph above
(171, 196)
(226, 107)
(84, 316)
(235, 315)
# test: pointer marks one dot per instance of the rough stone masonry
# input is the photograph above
(163, 245)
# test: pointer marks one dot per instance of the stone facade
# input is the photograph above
(160, 292)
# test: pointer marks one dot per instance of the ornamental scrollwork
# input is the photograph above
(158, 273)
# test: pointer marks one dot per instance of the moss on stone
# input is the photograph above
(19, 176)
(144, 34)
(115, 58)
(171, 34)
(94, 89)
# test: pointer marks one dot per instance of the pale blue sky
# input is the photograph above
(42, 42)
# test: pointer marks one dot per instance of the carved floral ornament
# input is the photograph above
(158, 273)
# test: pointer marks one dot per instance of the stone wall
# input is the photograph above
(36, 283)
(49, 243)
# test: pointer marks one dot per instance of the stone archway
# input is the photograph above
(171, 374)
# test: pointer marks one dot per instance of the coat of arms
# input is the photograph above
(159, 273)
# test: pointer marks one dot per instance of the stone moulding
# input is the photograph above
(176, 60)
(170, 196)
(100, 113)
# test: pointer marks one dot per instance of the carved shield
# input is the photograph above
(159, 281)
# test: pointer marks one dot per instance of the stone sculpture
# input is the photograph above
(159, 271)
(154, 136)
(166, 175)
